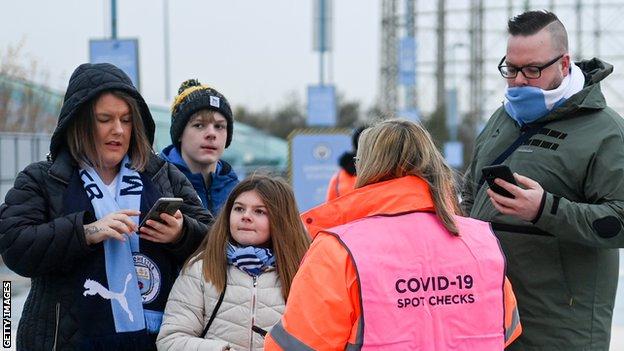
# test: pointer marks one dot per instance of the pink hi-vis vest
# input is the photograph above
(423, 288)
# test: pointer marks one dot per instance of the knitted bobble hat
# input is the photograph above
(192, 97)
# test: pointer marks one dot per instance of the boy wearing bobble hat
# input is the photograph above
(201, 129)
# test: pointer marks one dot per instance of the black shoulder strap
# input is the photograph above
(214, 311)
(516, 144)
(259, 330)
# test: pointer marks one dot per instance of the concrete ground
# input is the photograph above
(617, 338)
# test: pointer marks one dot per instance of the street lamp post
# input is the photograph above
(114, 19)
(166, 47)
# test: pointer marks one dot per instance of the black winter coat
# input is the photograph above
(42, 235)
(41, 239)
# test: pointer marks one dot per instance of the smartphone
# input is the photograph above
(499, 171)
(165, 204)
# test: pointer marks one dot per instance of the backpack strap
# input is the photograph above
(516, 144)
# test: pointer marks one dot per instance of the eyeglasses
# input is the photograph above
(529, 72)
(355, 160)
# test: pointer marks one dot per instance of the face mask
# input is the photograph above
(528, 104)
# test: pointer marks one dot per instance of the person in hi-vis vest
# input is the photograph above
(343, 181)
(393, 265)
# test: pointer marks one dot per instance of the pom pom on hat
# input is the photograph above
(187, 84)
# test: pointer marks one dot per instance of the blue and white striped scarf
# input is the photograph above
(251, 260)
(528, 104)
(123, 288)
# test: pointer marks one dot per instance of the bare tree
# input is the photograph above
(25, 106)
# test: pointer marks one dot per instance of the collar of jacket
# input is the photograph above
(218, 180)
(587, 100)
(391, 197)
(63, 166)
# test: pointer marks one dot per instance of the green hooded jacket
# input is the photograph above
(564, 265)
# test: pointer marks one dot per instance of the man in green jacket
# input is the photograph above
(561, 230)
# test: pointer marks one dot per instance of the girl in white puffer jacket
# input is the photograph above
(233, 290)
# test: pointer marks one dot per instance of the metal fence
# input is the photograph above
(18, 150)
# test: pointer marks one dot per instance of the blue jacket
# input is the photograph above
(222, 182)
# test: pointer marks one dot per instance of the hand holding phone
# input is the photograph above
(499, 171)
(167, 205)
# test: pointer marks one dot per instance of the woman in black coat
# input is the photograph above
(71, 223)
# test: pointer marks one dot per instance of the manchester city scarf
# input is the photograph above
(123, 289)
(528, 104)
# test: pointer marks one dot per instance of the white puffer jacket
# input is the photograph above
(192, 300)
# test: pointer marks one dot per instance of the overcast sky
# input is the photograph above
(255, 52)
(259, 52)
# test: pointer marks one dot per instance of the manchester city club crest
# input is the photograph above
(148, 277)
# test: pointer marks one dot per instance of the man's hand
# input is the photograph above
(114, 225)
(527, 202)
(167, 232)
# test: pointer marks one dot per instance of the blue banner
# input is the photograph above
(407, 61)
(314, 160)
(321, 105)
(454, 153)
(122, 53)
(452, 113)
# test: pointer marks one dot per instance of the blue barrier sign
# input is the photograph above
(123, 53)
(407, 61)
(321, 105)
(452, 113)
(314, 160)
(454, 153)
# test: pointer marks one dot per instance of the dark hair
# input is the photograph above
(355, 137)
(531, 22)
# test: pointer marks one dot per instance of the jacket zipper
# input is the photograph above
(253, 311)
(56, 325)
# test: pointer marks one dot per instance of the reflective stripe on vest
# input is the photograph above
(423, 288)
(286, 341)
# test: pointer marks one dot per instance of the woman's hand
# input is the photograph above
(114, 225)
(167, 232)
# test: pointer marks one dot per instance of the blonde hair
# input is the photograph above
(80, 134)
(289, 239)
(397, 148)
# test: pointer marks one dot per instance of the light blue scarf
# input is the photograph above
(528, 104)
(251, 260)
(123, 288)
